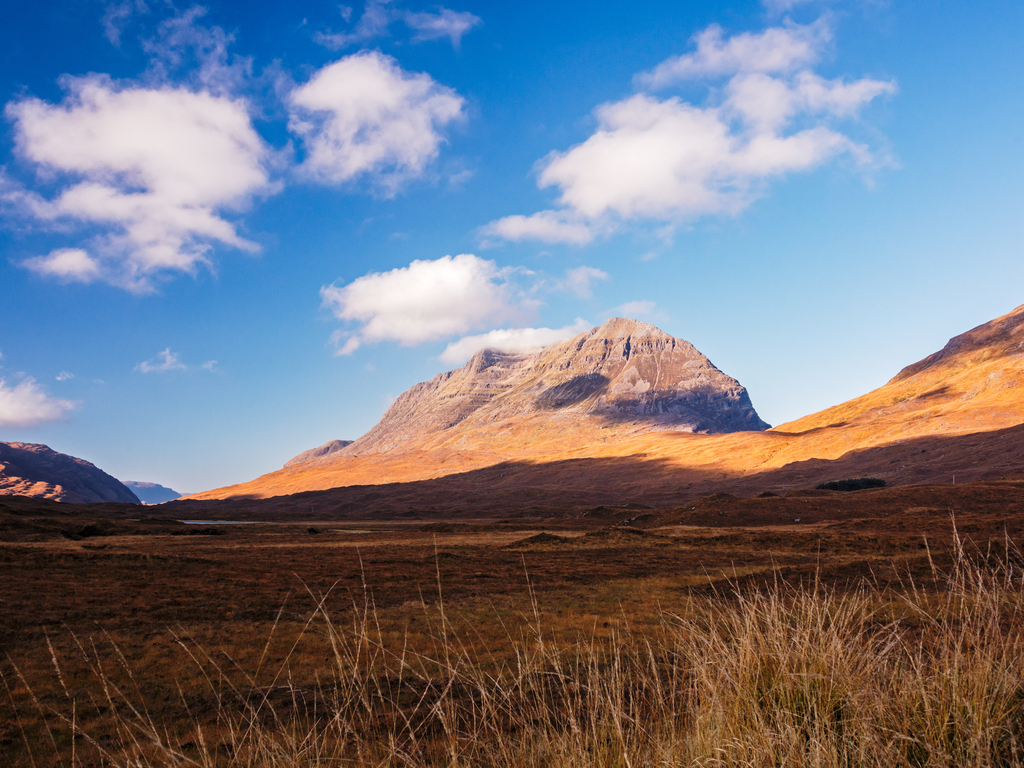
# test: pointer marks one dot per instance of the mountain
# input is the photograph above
(625, 375)
(957, 414)
(322, 452)
(151, 493)
(622, 378)
(31, 469)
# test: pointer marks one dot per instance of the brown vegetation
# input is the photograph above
(722, 634)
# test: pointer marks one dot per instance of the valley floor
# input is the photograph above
(520, 641)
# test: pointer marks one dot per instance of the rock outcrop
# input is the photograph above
(151, 493)
(31, 469)
(322, 452)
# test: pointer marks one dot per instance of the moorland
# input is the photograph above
(875, 627)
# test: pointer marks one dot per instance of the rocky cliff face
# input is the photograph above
(625, 374)
(30, 469)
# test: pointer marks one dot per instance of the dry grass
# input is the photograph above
(778, 676)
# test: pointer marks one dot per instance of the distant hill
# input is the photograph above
(151, 493)
(31, 469)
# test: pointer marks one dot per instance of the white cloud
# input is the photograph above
(164, 361)
(210, 365)
(374, 22)
(64, 376)
(184, 49)
(578, 280)
(378, 16)
(364, 115)
(446, 23)
(27, 405)
(510, 340)
(69, 265)
(546, 226)
(768, 103)
(775, 50)
(781, 6)
(425, 301)
(153, 167)
(669, 160)
(633, 309)
(116, 16)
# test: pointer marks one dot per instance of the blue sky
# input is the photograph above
(230, 233)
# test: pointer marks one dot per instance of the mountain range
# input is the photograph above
(627, 398)
(619, 414)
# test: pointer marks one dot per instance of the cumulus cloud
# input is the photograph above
(364, 115)
(667, 160)
(511, 340)
(775, 50)
(64, 376)
(579, 279)
(164, 361)
(445, 23)
(546, 226)
(425, 301)
(26, 404)
(69, 265)
(154, 168)
(378, 15)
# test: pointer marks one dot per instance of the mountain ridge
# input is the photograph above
(975, 385)
(34, 469)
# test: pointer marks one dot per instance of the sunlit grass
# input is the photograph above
(777, 676)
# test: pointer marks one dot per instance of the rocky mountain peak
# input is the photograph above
(624, 374)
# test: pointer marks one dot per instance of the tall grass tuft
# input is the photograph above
(781, 676)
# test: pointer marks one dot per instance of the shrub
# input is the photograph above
(853, 484)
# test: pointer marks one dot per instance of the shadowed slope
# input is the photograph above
(30, 469)
(572, 486)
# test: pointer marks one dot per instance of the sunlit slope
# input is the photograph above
(972, 384)
(975, 384)
(619, 379)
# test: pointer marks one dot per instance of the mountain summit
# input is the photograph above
(621, 379)
(623, 374)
